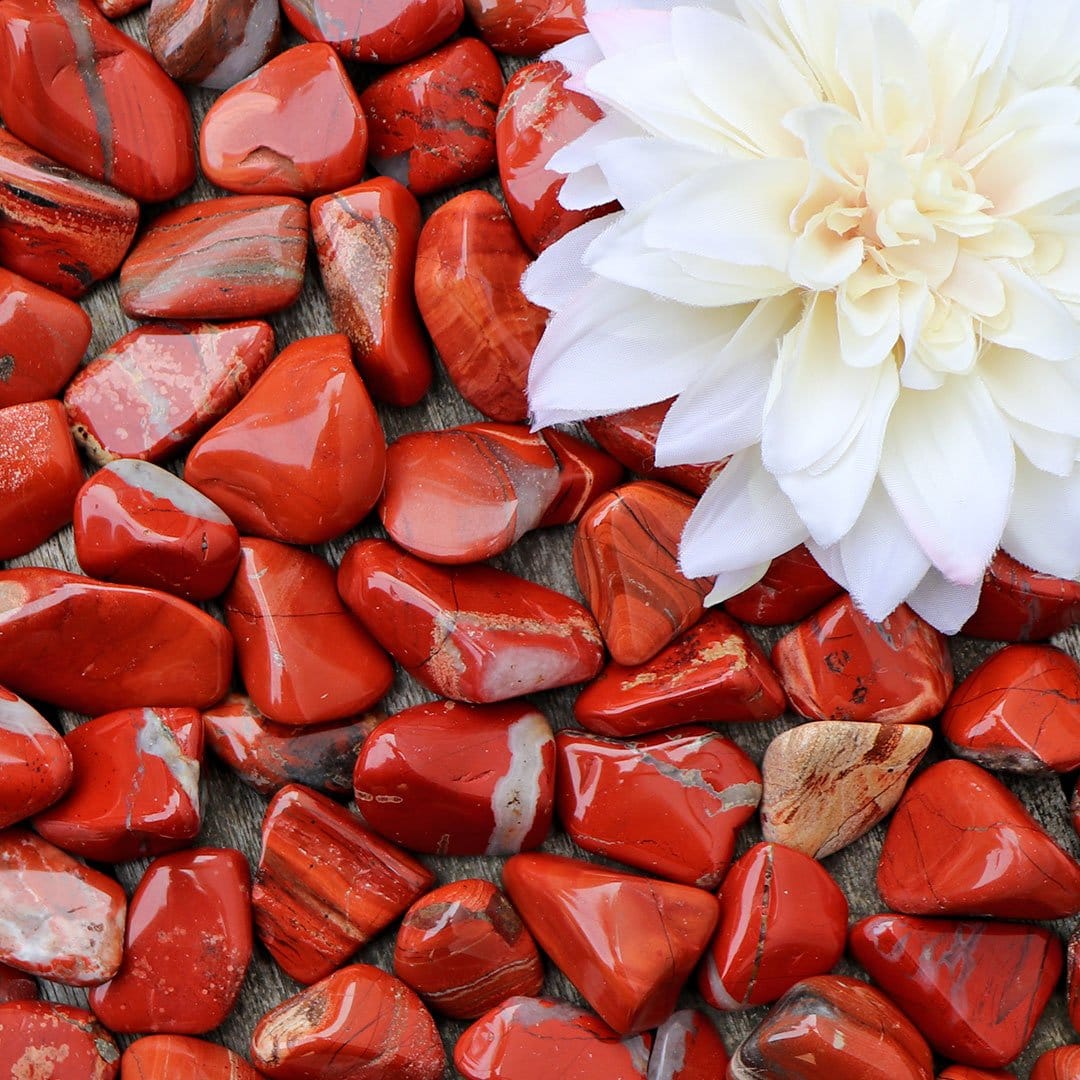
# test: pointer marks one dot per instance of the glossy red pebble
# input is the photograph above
(170, 1057)
(156, 389)
(464, 949)
(257, 138)
(966, 1072)
(975, 990)
(585, 474)
(687, 1047)
(471, 633)
(16, 985)
(35, 762)
(160, 651)
(325, 884)
(88, 95)
(1060, 1063)
(526, 27)
(365, 238)
(187, 948)
(117, 9)
(1020, 604)
(63, 920)
(453, 779)
(302, 458)
(669, 804)
(43, 1041)
(838, 665)
(358, 1024)
(627, 943)
(960, 843)
(432, 121)
(793, 587)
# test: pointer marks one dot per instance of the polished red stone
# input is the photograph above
(187, 948)
(62, 920)
(88, 95)
(16, 986)
(469, 264)
(960, 843)
(837, 1027)
(528, 1036)
(966, 1072)
(715, 672)
(136, 786)
(464, 949)
(453, 779)
(793, 587)
(365, 238)
(93, 647)
(358, 1024)
(470, 632)
(117, 9)
(170, 1057)
(526, 27)
(155, 390)
(43, 1041)
(302, 457)
(669, 804)
(268, 756)
(838, 665)
(258, 138)
(627, 943)
(325, 885)
(229, 258)
(974, 989)
(585, 474)
(687, 1047)
(1060, 1063)
(1019, 604)
(35, 763)
(432, 121)
(40, 475)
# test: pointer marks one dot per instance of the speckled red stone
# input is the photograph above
(526, 27)
(35, 763)
(793, 587)
(1019, 604)
(687, 1047)
(39, 1039)
(1060, 1063)
(170, 1057)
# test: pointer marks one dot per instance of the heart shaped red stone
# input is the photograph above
(35, 762)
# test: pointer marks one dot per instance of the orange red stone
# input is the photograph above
(59, 1042)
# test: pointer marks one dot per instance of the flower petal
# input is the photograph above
(1043, 530)
(944, 604)
(1038, 392)
(641, 170)
(1033, 319)
(734, 582)
(560, 273)
(1034, 166)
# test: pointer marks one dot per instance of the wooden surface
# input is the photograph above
(233, 811)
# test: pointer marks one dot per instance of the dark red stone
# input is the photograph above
(43, 1041)
(1019, 604)
(793, 587)
(35, 763)
(687, 1047)
(172, 1057)
(526, 27)
(1060, 1063)
(585, 474)
(16, 986)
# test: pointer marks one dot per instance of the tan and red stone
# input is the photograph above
(974, 989)
(309, 911)
(16, 985)
(960, 843)
(687, 1047)
(715, 672)
(161, 651)
(452, 779)
(40, 1040)
(169, 1057)
(358, 1024)
(627, 943)
(187, 948)
(1059, 1063)
(65, 921)
(1020, 604)
(471, 633)
(365, 239)
(793, 587)
(158, 388)
(302, 458)
(35, 762)
(93, 98)
(669, 804)
(432, 121)
(464, 949)
(526, 27)
(258, 138)
(585, 474)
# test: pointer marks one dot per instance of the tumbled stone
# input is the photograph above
(117, 9)
(526, 27)
(1059, 1063)
(687, 1047)
(585, 474)
(170, 1057)
(16, 985)
(1020, 604)
(793, 587)
(35, 762)
(966, 1072)
(40, 1040)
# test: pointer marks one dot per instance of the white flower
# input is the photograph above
(849, 243)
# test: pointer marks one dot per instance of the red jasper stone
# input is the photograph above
(838, 665)
(258, 139)
(469, 264)
(432, 121)
(464, 949)
(715, 672)
(136, 786)
(358, 1024)
(142, 525)
(1018, 711)
(471, 632)
(35, 763)
(1020, 604)
(965, 1072)
(325, 884)
(160, 650)
(302, 457)
(793, 587)
(1061, 1063)
(837, 1027)
(88, 95)
(453, 779)
(528, 1036)
(168, 1057)
(1072, 976)
(627, 943)
(62, 920)
(527, 27)
(687, 1047)
(303, 657)
(15, 986)
(40, 475)
(54, 1042)
(537, 116)
(117, 9)
(585, 473)
(365, 238)
(975, 989)
(58, 228)
(669, 804)
(960, 843)
(268, 756)
(229, 258)
(187, 948)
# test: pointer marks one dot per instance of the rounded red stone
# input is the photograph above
(793, 587)
(687, 1047)
(39, 1039)
(585, 474)
(1060, 1063)
(171, 1057)
(526, 27)
(966, 1072)
(35, 762)
(1020, 604)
